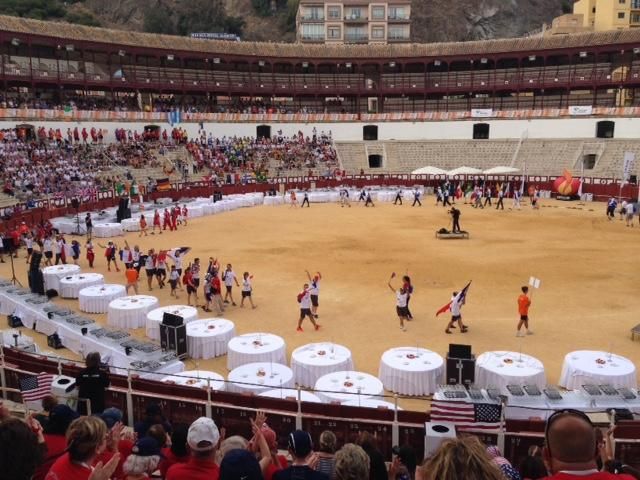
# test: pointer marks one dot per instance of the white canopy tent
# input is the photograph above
(501, 170)
(429, 171)
(465, 171)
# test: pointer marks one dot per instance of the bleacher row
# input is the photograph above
(541, 157)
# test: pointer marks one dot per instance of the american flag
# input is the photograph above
(36, 387)
(466, 415)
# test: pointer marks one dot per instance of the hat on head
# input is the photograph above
(111, 416)
(300, 443)
(146, 447)
(203, 430)
(240, 464)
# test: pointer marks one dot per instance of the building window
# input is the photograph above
(377, 33)
(333, 33)
(312, 31)
(355, 14)
(620, 15)
(358, 34)
(635, 4)
(377, 13)
(334, 12)
(398, 33)
(635, 17)
(622, 2)
(397, 13)
(313, 13)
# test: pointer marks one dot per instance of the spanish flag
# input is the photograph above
(163, 184)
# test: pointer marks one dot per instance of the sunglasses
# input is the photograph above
(563, 413)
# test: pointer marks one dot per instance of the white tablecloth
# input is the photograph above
(345, 386)
(260, 376)
(52, 275)
(587, 366)
(197, 379)
(277, 200)
(291, 394)
(71, 285)
(107, 230)
(96, 299)
(411, 370)
(132, 224)
(69, 225)
(255, 347)
(154, 317)
(209, 338)
(499, 369)
(312, 361)
(371, 403)
(131, 312)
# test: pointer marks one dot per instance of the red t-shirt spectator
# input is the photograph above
(194, 469)
(272, 468)
(64, 469)
(56, 445)
(170, 459)
(591, 476)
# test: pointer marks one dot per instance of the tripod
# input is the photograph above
(75, 203)
(14, 279)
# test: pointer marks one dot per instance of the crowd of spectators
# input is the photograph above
(124, 102)
(60, 444)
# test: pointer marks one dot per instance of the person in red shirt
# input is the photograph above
(84, 135)
(94, 135)
(178, 452)
(175, 213)
(76, 135)
(187, 281)
(60, 418)
(570, 448)
(156, 222)
(202, 438)
(524, 302)
(143, 226)
(185, 215)
(167, 220)
(86, 440)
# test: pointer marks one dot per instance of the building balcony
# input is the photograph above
(398, 18)
(356, 38)
(312, 37)
(311, 18)
(355, 19)
(399, 38)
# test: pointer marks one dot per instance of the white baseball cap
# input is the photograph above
(203, 430)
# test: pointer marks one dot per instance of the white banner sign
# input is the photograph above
(628, 165)
(481, 112)
(581, 110)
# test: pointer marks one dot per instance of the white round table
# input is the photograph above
(583, 367)
(499, 369)
(345, 386)
(255, 347)
(154, 317)
(411, 370)
(312, 361)
(96, 299)
(71, 285)
(53, 274)
(208, 338)
(260, 376)
(107, 230)
(196, 379)
(291, 394)
(371, 403)
(132, 224)
(276, 200)
(131, 312)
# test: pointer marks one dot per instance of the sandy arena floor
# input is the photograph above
(587, 264)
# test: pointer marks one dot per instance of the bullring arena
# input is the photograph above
(543, 109)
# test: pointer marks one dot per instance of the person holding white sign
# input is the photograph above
(524, 302)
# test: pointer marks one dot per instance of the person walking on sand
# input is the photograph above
(401, 303)
(247, 289)
(314, 291)
(304, 299)
(524, 302)
(229, 277)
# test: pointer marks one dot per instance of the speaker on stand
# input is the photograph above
(461, 365)
(173, 335)
(34, 274)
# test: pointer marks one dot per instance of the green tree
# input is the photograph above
(82, 18)
(159, 20)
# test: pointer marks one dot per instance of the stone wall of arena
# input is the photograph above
(537, 128)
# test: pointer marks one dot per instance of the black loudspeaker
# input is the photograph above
(7, 245)
(174, 339)
(51, 293)
(14, 322)
(53, 341)
(84, 331)
(123, 204)
(460, 370)
(217, 196)
(171, 320)
(36, 281)
(460, 351)
(605, 129)
(75, 203)
(36, 258)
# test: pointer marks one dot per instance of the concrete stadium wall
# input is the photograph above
(625, 128)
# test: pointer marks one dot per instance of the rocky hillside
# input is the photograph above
(274, 20)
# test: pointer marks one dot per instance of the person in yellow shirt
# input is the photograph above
(524, 302)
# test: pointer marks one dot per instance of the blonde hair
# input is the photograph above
(464, 457)
(84, 437)
(352, 463)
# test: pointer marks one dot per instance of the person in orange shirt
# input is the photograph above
(524, 302)
(132, 278)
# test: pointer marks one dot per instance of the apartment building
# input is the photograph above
(601, 15)
(354, 21)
